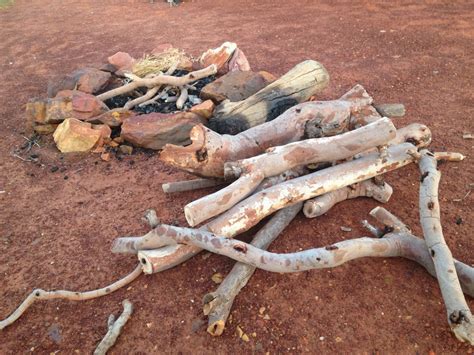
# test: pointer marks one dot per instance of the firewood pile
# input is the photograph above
(275, 153)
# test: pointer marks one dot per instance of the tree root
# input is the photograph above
(39, 294)
(460, 317)
(115, 327)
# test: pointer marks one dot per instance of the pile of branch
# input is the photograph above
(311, 157)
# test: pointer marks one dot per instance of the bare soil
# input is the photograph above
(56, 228)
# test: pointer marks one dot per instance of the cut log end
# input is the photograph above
(216, 328)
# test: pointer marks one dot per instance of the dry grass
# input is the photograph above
(155, 64)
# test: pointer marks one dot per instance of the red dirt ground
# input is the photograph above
(56, 232)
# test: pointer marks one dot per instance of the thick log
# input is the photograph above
(460, 317)
(209, 150)
(217, 304)
(250, 211)
(320, 205)
(296, 86)
(250, 172)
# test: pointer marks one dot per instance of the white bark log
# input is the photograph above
(460, 317)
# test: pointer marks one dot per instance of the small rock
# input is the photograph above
(467, 136)
(238, 62)
(126, 149)
(54, 169)
(105, 133)
(105, 156)
(88, 80)
(235, 86)
(261, 310)
(346, 229)
(154, 130)
(76, 136)
(391, 110)
(266, 317)
(217, 278)
(54, 333)
(338, 339)
(218, 56)
(118, 139)
(112, 118)
(122, 61)
(113, 144)
(204, 109)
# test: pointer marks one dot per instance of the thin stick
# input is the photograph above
(114, 329)
(39, 294)
(188, 185)
(217, 304)
(159, 80)
(460, 317)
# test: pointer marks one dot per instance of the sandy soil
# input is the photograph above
(56, 228)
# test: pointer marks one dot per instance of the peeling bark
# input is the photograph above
(209, 150)
(320, 205)
(39, 294)
(296, 86)
(217, 304)
(460, 317)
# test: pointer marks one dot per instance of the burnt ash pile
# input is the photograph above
(167, 102)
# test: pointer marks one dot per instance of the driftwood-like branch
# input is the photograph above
(250, 172)
(39, 294)
(391, 245)
(250, 211)
(298, 85)
(159, 80)
(188, 185)
(460, 317)
(416, 248)
(320, 205)
(209, 150)
(114, 329)
(217, 304)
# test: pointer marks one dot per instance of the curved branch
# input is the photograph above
(39, 294)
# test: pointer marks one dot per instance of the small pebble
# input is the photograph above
(346, 229)
(54, 169)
